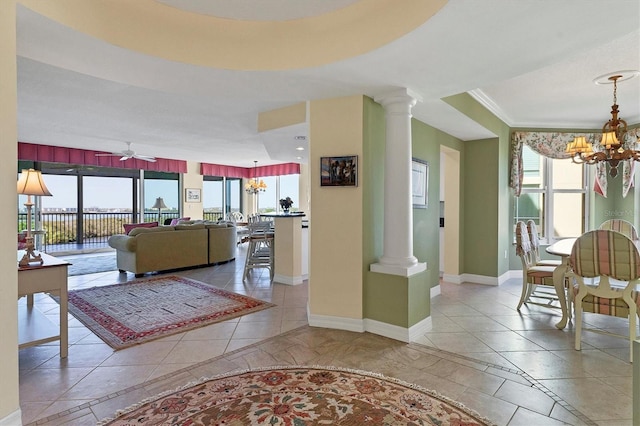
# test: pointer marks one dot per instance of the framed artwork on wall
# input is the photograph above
(192, 195)
(419, 183)
(339, 171)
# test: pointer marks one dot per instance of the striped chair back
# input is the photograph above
(603, 252)
(621, 226)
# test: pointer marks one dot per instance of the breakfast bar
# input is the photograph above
(288, 251)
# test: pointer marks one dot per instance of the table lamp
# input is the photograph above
(31, 183)
(159, 205)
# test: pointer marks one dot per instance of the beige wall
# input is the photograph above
(9, 398)
(192, 179)
(335, 270)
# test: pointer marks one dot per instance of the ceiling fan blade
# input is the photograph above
(126, 157)
(145, 158)
(113, 154)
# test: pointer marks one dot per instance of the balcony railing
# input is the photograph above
(91, 228)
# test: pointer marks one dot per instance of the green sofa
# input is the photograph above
(165, 248)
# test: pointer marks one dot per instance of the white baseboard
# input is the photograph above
(480, 279)
(372, 326)
(284, 279)
(13, 419)
(435, 291)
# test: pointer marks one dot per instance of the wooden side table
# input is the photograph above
(34, 328)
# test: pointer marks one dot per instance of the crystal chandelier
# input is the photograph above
(614, 133)
(254, 185)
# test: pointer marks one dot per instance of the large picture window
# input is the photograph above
(553, 195)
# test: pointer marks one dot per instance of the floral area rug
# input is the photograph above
(127, 314)
(297, 396)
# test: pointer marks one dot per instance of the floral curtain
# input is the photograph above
(554, 144)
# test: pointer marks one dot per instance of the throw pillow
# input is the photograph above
(129, 226)
(174, 222)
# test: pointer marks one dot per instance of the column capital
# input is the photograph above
(401, 96)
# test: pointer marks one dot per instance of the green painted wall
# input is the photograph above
(426, 142)
(486, 194)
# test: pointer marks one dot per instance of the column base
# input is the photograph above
(403, 271)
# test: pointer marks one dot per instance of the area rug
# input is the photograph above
(297, 396)
(83, 265)
(127, 314)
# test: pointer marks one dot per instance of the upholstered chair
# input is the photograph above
(606, 267)
(621, 226)
(532, 230)
(537, 280)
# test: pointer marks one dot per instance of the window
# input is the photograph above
(216, 201)
(279, 187)
(553, 195)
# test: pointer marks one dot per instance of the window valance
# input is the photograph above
(207, 169)
(553, 145)
(58, 154)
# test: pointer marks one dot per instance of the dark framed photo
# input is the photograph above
(419, 183)
(339, 171)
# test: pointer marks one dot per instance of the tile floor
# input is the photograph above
(514, 368)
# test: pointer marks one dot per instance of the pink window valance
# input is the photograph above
(58, 154)
(207, 169)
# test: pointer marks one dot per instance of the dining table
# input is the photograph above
(562, 248)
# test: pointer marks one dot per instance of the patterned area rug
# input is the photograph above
(299, 396)
(127, 314)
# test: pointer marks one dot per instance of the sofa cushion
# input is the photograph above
(181, 227)
(146, 230)
(175, 221)
(128, 227)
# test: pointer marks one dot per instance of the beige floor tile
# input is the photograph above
(496, 409)
(479, 351)
(526, 396)
(524, 417)
(193, 351)
(592, 397)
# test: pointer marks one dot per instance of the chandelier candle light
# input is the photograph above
(614, 133)
(254, 185)
(31, 183)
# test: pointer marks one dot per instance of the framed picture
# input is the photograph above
(339, 171)
(419, 183)
(192, 195)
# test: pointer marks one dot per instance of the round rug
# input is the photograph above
(297, 396)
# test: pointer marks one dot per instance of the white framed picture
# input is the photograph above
(192, 195)
(419, 183)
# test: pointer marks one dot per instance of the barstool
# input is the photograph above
(260, 250)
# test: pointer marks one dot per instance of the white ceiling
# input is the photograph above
(532, 62)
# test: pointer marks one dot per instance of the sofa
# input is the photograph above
(164, 248)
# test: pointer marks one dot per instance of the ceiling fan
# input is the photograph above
(127, 154)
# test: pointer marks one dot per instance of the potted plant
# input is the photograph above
(286, 204)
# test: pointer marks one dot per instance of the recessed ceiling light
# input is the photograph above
(298, 158)
(300, 148)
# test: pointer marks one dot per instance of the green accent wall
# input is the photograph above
(485, 215)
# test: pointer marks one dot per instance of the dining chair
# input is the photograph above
(536, 279)
(606, 268)
(532, 230)
(622, 226)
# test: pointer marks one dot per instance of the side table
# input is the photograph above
(34, 328)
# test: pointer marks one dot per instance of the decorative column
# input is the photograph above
(398, 258)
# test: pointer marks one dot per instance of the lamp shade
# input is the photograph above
(31, 183)
(159, 204)
(580, 144)
(608, 139)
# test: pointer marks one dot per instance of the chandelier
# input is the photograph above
(614, 133)
(254, 185)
